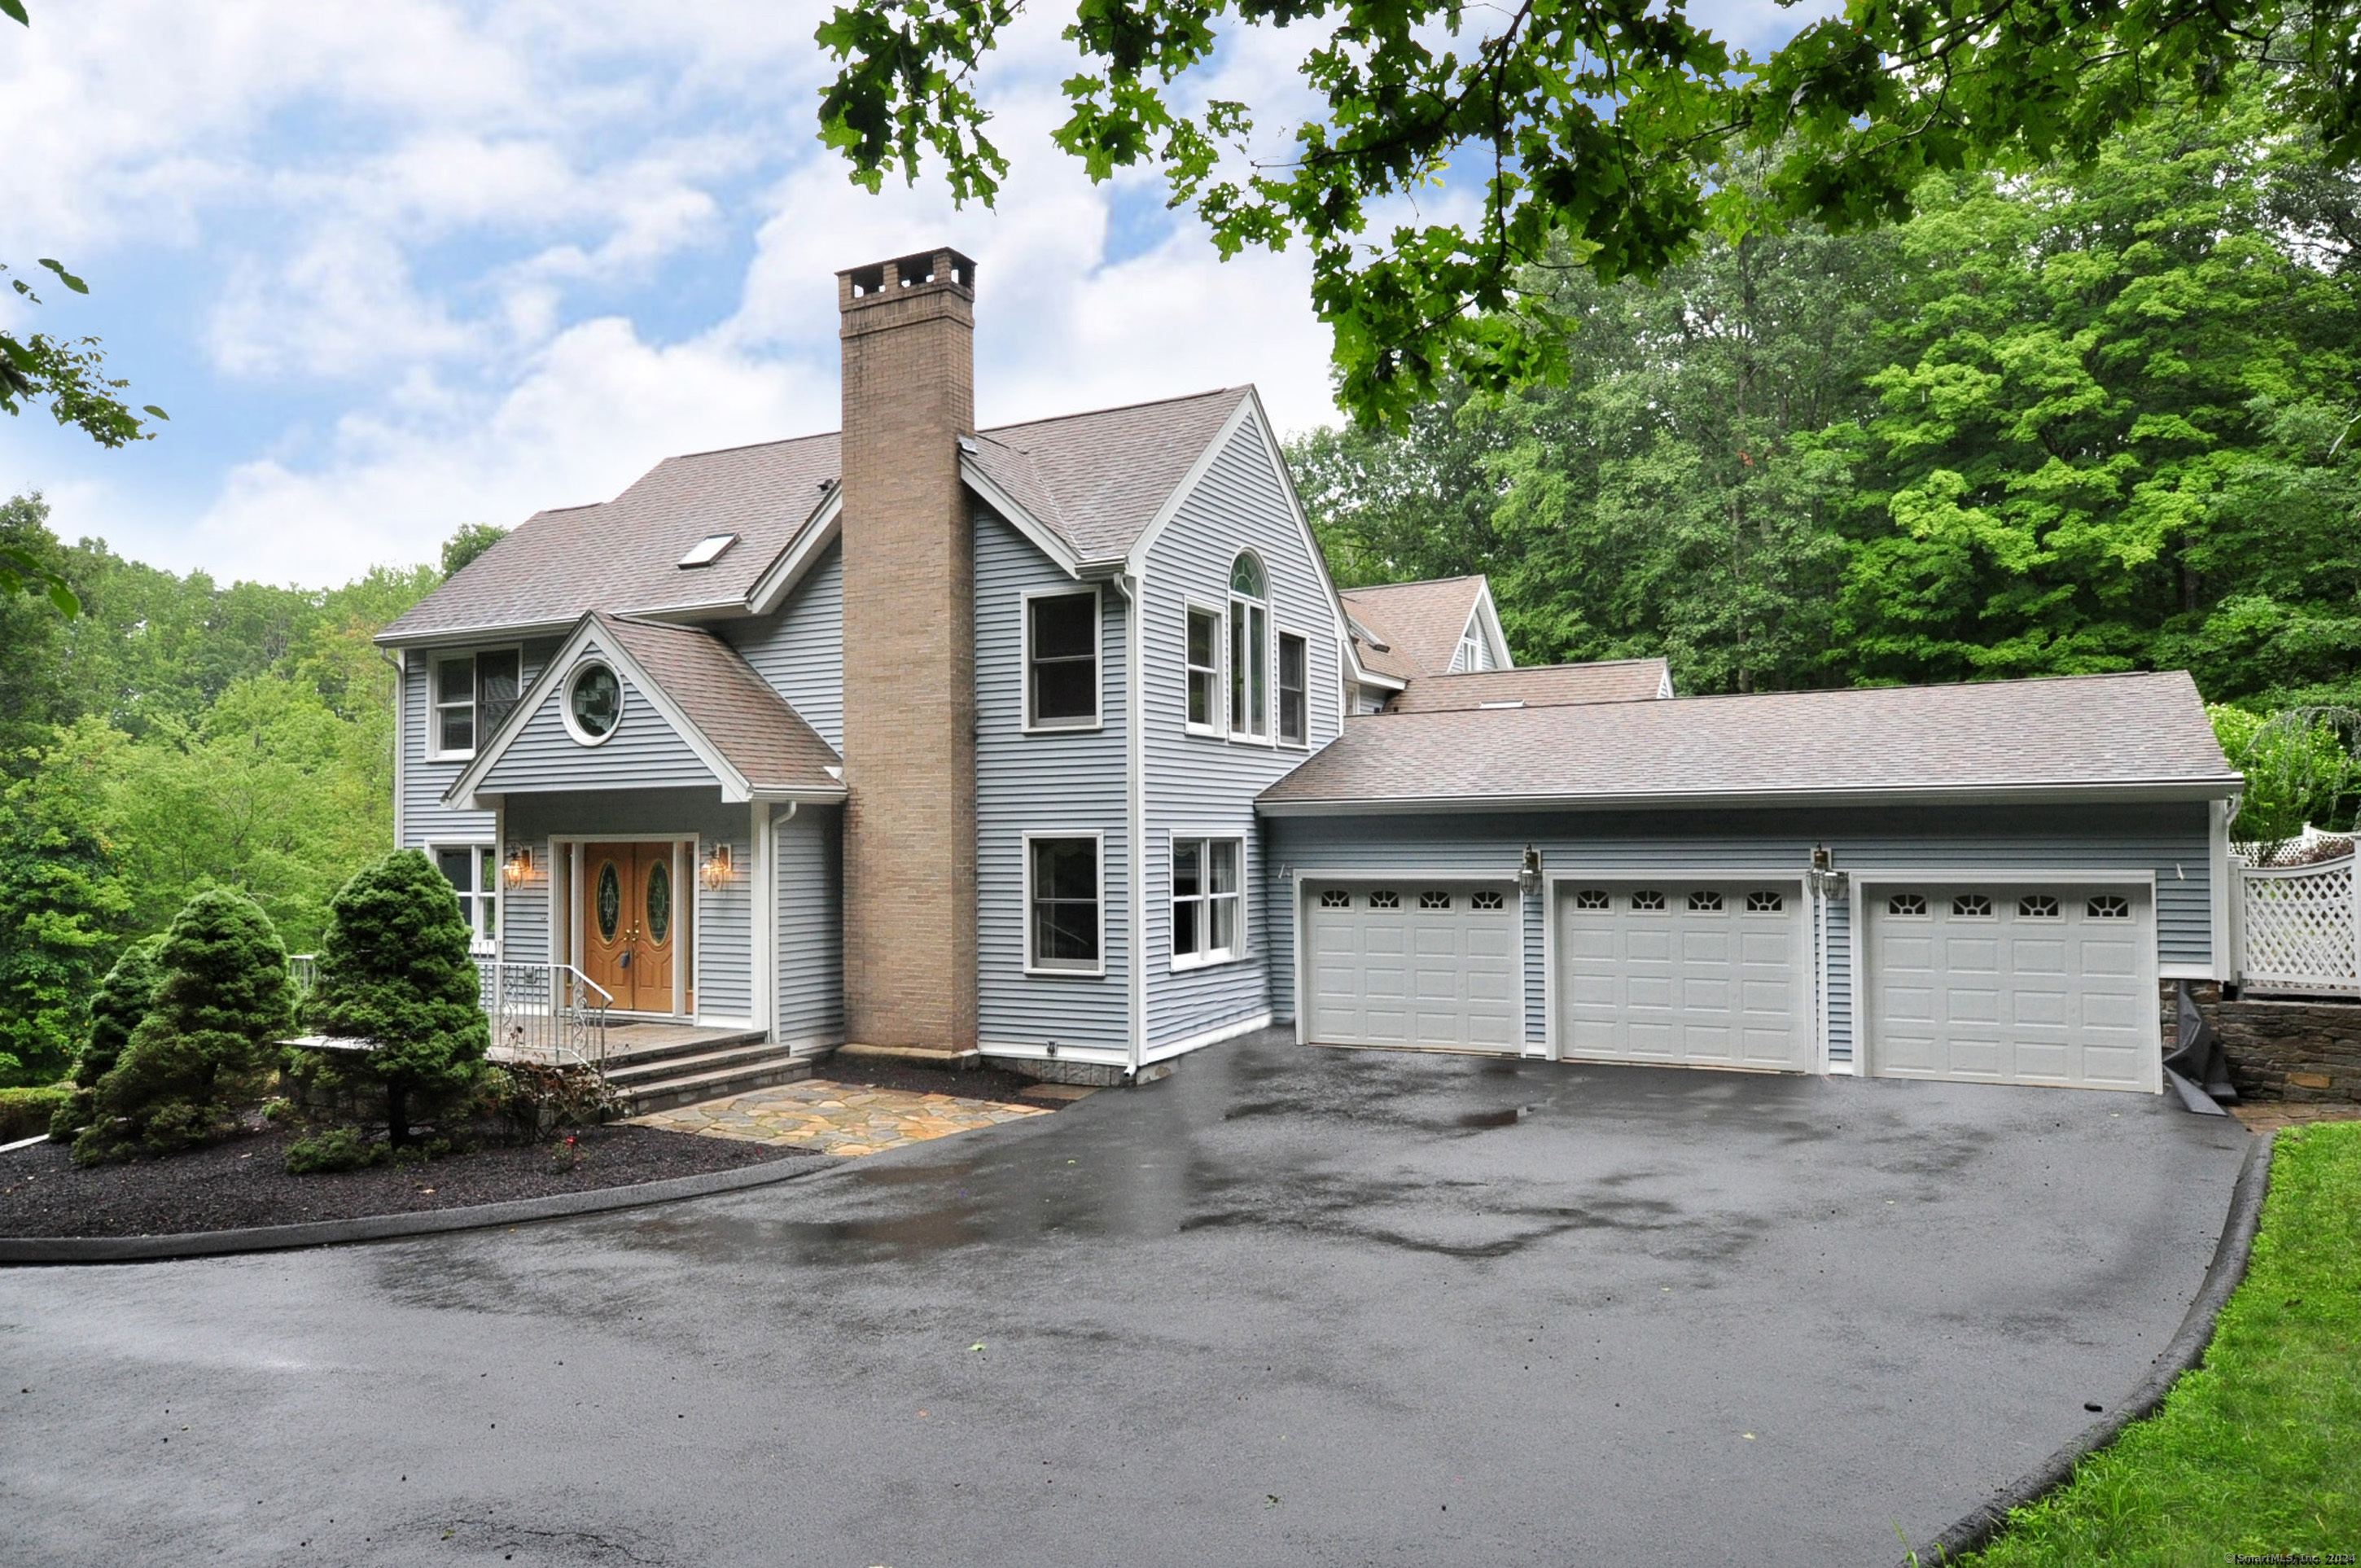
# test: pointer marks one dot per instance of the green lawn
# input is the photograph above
(2260, 1450)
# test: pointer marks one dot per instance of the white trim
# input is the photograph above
(764, 915)
(1097, 836)
(401, 657)
(573, 673)
(1134, 588)
(1553, 882)
(1279, 634)
(1212, 1036)
(500, 631)
(2224, 881)
(686, 978)
(479, 854)
(1497, 879)
(435, 704)
(1238, 951)
(2184, 972)
(1219, 727)
(776, 580)
(1096, 1056)
(1097, 721)
(1043, 537)
(1952, 795)
(2151, 957)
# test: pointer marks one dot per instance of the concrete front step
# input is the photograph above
(627, 1071)
(741, 1076)
(633, 1045)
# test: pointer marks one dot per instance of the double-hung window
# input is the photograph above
(1207, 905)
(472, 871)
(473, 693)
(1294, 717)
(1062, 661)
(1203, 658)
(1061, 905)
(1250, 650)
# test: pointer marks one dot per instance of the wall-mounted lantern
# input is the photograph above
(1528, 874)
(519, 868)
(714, 873)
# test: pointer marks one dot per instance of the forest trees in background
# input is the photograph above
(2086, 420)
(176, 735)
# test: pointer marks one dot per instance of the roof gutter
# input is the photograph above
(2144, 790)
(392, 637)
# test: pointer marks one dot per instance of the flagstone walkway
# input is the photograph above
(838, 1118)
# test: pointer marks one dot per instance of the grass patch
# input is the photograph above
(2259, 1450)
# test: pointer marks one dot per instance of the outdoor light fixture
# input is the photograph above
(716, 869)
(1823, 878)
(1529, 875)
(520, 864)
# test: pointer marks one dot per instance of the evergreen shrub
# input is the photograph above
(394, 969)
(25, 1111)
(121, 1001)
(225, 997)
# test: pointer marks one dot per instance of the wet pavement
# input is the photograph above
(1288, 1306)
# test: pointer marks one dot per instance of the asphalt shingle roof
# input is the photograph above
(1097, 478)
(1537, 686)
(1420, 623)
(2072, 731)
(734, 706)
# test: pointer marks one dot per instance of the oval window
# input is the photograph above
(610, 901)
(659, 902)
(595, 700)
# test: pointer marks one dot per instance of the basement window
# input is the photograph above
(707, 550)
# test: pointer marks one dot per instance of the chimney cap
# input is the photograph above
(941, 267)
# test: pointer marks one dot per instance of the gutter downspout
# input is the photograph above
(398, 661)
(1132, 586)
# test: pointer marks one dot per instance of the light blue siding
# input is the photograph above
(1199, 783)
(425, 819)
(643, 753)
(721, 921)
(2167, 841)
(800, 649)
(1070, 781)
(809, 876)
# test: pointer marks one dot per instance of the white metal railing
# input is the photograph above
(304, 971)
(551, 1014)
(2298, 927)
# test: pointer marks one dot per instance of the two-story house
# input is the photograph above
(1033, 742)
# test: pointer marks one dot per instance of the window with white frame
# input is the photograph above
(1475, 652)
(472, 871)
(1294, 713)
(1061, 905)
(472, 694)
(1203, 657)
(1208, 907)
(1062, 661)
(1249, 649)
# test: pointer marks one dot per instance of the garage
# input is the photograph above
(1700, 973)
(1980, 983)
(1415, 962)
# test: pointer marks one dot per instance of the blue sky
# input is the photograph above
(396, 268)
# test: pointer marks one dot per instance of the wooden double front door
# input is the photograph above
(632, 922)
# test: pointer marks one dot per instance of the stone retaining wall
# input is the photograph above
(2300, 1051)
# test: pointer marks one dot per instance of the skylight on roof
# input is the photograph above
(707, 550)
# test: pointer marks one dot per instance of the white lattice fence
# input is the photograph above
(2300, 928)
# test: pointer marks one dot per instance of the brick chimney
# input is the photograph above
(908, 334)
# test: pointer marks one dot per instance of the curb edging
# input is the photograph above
(2182, 1352)
(54, 1250)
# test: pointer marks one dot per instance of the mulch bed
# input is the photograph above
(241, 1183)
(916, 1077)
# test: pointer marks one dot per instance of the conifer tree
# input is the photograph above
(116, 1009)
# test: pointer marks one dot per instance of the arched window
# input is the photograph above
(1249, 648)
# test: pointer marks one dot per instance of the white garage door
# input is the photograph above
(1705, 973)
(1987, 983)
(1415, 963)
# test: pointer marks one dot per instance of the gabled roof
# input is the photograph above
(1420, 623)
(1095, 480)
(2117, 737)
(737, 724)
(1539, 685)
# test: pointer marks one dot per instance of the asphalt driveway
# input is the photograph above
(1289, 1306)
